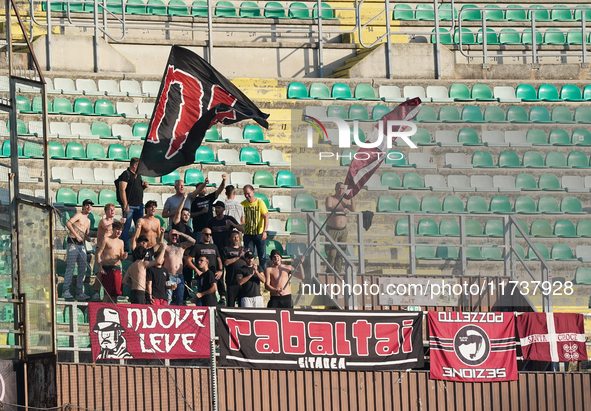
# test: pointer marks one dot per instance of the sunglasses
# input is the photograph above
(185, 213)
(207, 234)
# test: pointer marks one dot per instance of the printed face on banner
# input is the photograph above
(141, 331)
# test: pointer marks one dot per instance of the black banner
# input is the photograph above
(320, 339)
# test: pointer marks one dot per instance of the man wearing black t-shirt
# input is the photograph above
(249, 276)
(222, 225)
(180, 219)
(131, 197)
(207, 283)
(201, 203)
(156, 279)
(232, 259)
(204, 248)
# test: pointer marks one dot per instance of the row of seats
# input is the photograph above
(510, 159)
(469, 114)
(479, 205)
(111, 88)
(106, 176)
(492, 13)
(84, 106)
(247, 9)
(463, 183)
(511, 37)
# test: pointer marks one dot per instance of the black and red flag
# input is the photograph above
(193, 97)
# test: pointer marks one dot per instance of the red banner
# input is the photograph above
(126, 331)
(555, 337)
(472, 346)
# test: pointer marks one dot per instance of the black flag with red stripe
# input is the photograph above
(193, 97)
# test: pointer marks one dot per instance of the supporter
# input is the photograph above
(156, 279)
(130, 194)
(104, 230)
(148, 226)
(173, 262)
(336, 226)
(108, 256)
(232, 260)
(136, 276)
(172, 203)
(222, 225)
(142, 241)
(256, 222)
(276, 281)
(201, 208)
(207, 283)
(204, 248)
(249, 277)
(78, 228)
(233, 207)
(180, 220)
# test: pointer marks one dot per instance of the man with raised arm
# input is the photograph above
(202, 207)
(173, 262)
(78, 228)
(276, 281)
(336, 226)
(181, 219)
(109, 254)
(135, 278)
(179, 200)
(148, 226)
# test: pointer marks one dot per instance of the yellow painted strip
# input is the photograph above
(255, 82)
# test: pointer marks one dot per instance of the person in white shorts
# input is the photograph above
(249, 276)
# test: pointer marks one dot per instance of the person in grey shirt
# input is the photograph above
(233, 207)
(173, 203)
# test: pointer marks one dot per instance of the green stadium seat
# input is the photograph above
(501, 205)
(117, 152)
(574, 37)
(387, 204)
(541, 228)
(408, 204)
(542, 249)
(403, 12)
(305, 202)
(494, 114)
(519, 250)
(565, 229)
(391, 180)
(62, 105)
(275, 245)
(341, 91)
(494, 13)
(449, 228)
(114, 7)
(264, 179)
(577, 159)
(482, 159)
(584, 228)
(527, 38)
(547, 92)
(401, 227)
(424, 12)
(526, 182)
(482, 92)
(579, 13)
(226, 9)
(380, 111)
(135, 7)
(581, 137)
(444, 36)
(23, 104)
(33, 150)
(491, 37)
(470, 12)
(509, 37)
(516, 13)
(537, 137)
(396, 159)
(467, 39)
(205, 155)
(364, 91)
(469, 137)
(67, 196)
(431, 204)
(297, 91)
(539, 115)
(583, 275)
(445, 12)
(571, 205)
(287, 179)
(413, 181)
(265, 199)
(509, 159)
(75, 151)
(37, 106)
(493, 253)
(104, 108)
(296, 226)
(251, 156)
(526, 92)
(542, 14)
(83, 106)
(156, 8)
(473, 228)
(427, 115)
(254, 134)
(556, 159)
(525, 205)
(320, 91)
(101, 129)
(548, 205)
(460, 92)
(177, 8)
(327, 12)
(427, 228)
(56, 151)
(554, 37)
(358, 112)
(298, 10)
(249, 9)
(422, 138)
(517, 114)
(453, 205)
(274, 10)
(559, 13)
(447, 252)
(561, 114)
(549, 182)
(170, 178)
(193, 177)
(336, 110)
(472, 114)
(474, 253)
(347, 157)
(86, 193)
(212, 135)
(477, 205)
(199, 8)
(562, 252)
(425, 252)
(141, 129)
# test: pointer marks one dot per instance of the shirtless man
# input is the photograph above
(78, 228)
(104, 230)
(148, 226)
(173, 262)
(336, 226)
(108, 255)
(135, 278)
(276, 281)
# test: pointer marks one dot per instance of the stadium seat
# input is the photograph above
(505, 94)
(556, 159)
(205, 155)
(449, 228)
(408, 204)
(574, 184)
(341, 91)
(421, 160)
(561, 114)
(509, 159)
(251, 156)
(547, 92)
(396, 159)
(431, 204)
(438, 94)
(446, 13)
(554, 37)
(229, 157)
(562, 252)
(335, 110)
(505, 183)
(565, 229)
(526, 182)
(494, 114)
(539, 115)
(85, 175)
(533, 159)
(364, 91)
(264, 179)
(525, 205)
(482, 159)
(110, 88)
(75, 151)
(320, 91)
(444, 38)
(61, 105)
(282, 204)
(391, 180)
(379, 111)
(517, 114)
(427, 228)
(123, 132)
(491, 38)
(459, 91)
(474, 253)
(101, 129)
(412, 181)
(470, 12)
(477, 205)
(581, 137)
(427, 115)
(104, 175)
(570, 92)
(425, 252)
(286, 179)
(212, 135)
(453, 204)
(542, 249)
(305, 202)
(472, 114)
(494, 138)
(298, 10)
(104, 108)
(358, 112)
(274, 10)
(297, 90)
(402, 12)
(583, 275)
(135, 7)
(492, 253)
(501, 205)
(526, 92)
(469, 137)
(457, 160)
(249, 9)
(401, 227)
(515, 12)
(175, 8)
(421, 138)
(193, 177)
(390, 93)
(509, 37)
(296, 226)
(170, 178)
(409, 92)
(424, 12)
(63, 175)
(227, 9)
(86, 193)
(387, 204)
(117, 152)
(66, 196)
(493, 13)
(199, 8)
(537, 137)
(571, 205)
(541, 228)
(548, 205)
(459, 183)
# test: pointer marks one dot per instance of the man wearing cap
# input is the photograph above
(202, 207)
(233, 207)
(222, 225)
(179, 199)
(78, 228)
(148, 226)
(147, 253)
(130, 194)
(108, 256)
(204, 248)
(233, 261)
(256, 222)
(249, 277)
(110, 335)
(276, 281)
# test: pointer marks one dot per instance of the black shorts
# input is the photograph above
(281, 301)
(137, 297)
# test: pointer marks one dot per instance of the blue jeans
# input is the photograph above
(251, 241)
(76, 256)
(179, 293)
(135, 213)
